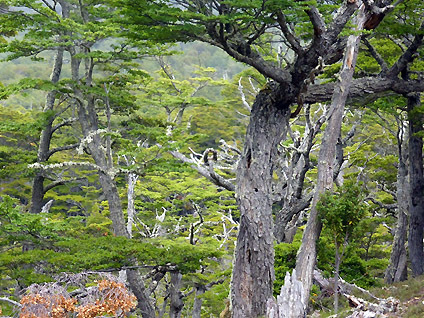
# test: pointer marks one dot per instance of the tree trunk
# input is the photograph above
(416, 179)
(253, 272)
(114, 202)
(89, 124)
(144, 304)
(176, 304)
(307, 254)
(290, 302)
(197, 306)
(38, 192)
(397, 269)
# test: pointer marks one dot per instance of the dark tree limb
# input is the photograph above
(363, 88)
(294, 42)
(409, 55)
(317, 21)
(376, 56)
(63, 148)
(66, 122)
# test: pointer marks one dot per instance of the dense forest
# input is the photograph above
(208, 158)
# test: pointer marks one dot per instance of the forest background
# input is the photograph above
(119, 156)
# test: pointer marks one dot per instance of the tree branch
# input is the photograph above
(317, 21)
(58, 183)
(14, 303)
(409, 55)
(294, 42)
(376, 56)
(214, 177)
(342, 17)
(63, 148)
(63, 123)
(363, 87)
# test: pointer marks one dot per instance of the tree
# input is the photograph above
(76, 28)
(416, 179)
(242, 29)
(340, 213)
(327, 156)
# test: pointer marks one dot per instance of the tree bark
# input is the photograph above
(397, 269)
(176, 302)
(253, 273)
(197, 306)
(307, 254)
(37, 196)
(144, 304)
(416, 179)
(289, 303)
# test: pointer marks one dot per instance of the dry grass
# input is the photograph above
(411, 295)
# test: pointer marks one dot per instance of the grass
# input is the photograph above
(410, 294)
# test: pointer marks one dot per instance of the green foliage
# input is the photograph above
(341, 212)
(285, 260)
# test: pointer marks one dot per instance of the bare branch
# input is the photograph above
(58, 183)
(63, 148)
(207, 173)
(243, 97)
(409, 55)
(376, 56)
(317, 21)
(66, 122)
(382, 205)
(14, 303)
(294, 42)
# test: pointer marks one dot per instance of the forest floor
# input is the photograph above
(410, 294)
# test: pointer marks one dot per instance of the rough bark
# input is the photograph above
(365, 90)
(307, 254)
(397, 269)
(253, 272)
(416, 179)
(176, 298)
(197, 306)
(144, 304)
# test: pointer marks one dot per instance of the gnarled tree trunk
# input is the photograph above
(197, 306)
(253, 273)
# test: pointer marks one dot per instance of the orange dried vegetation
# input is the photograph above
(114, 299)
